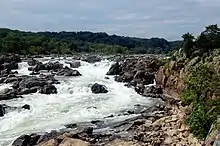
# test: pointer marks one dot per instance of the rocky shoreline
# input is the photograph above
(161, 125)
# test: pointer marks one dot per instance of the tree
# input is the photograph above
(209, 39)
(188, 42)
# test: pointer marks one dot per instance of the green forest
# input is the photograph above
(34, 43)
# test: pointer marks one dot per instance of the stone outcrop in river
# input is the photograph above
(5, 108)
(97, 88)
(135, 70)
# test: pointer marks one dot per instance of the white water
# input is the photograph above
(73, 103)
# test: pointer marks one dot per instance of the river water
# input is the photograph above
(74, 102)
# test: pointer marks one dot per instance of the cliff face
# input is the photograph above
(172, 78)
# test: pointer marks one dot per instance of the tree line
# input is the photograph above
(21, 42)
(205, 43)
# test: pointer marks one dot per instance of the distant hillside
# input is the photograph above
(15, 41)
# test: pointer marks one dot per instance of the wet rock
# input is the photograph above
(5, 108)
(28, 90)
(97, 88)
(33, 62)
(26, 140)
(114, 69)
(34, 73)
(153, 89)
(135, 70)
(53, 66)
(92, 59)
(10, 58)
(30, 68)
(48, 89)
(75, 64)
(50, 66)
(26, 106)
(68, 72)
(11, 79)
(153, 92)
(12, 65)
(71, 125)
(2, 110)
(40, 66)
(23, 140)
(30, 82)
(9, 96)
(50, 79)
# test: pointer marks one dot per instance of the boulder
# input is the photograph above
(135, 70)
(26, 140)
(73, 142)
(33, 62)
(23, 140)
(11, 79)
(5, 108)
(92, 59)
(97, 88)
(2, 110)
(10, 58)
(26, 106)
(40, 66)
(30, 68)
(11, 65)
(54, 66)
(30, 82)
(114, 69)
(68, 72)
(49, 66)
(75, 64)
(9, 96)
(48, 89)
(28, 90)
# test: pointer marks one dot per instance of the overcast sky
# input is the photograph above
(140, 18)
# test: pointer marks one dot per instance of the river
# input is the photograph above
(74, 102)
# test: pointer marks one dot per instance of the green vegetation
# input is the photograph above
(205, 43)
(14, 41)
(187, 44)
(203, 83)
(203, 80)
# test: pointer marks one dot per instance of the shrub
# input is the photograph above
(202, 83)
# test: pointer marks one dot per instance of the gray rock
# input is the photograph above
(97, 88)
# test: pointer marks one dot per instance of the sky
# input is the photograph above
(137, 18)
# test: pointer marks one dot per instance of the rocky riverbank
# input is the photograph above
(161, 125)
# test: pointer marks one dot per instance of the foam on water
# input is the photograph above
(74, 103)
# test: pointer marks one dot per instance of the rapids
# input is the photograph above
(74, 102)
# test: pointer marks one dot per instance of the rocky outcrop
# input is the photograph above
(97, 88)
(33, 62)
(29, 84)
(135, 70)
(92, 59)
(48, 89)
(56, 138)
(8, 63)
(68, 72)
(75, 64)
(50, 66)
(150, 91)
(171, 78)
(5, 108)
(164, 127)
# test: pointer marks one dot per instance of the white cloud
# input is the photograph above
(142, 18)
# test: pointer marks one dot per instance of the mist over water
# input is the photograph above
(74, 102)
